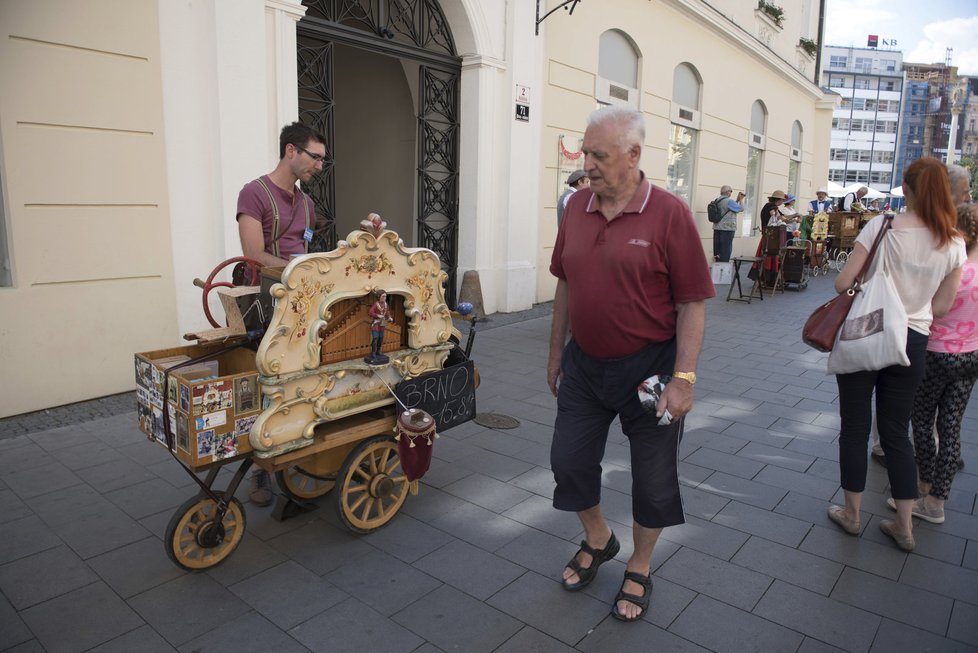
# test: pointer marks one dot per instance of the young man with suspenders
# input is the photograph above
(275, 221)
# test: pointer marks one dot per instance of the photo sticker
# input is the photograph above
(205, 444)
(171, 391)
(243, 426)
(245, 394)
(144, 374)
(184, 398)
(183, 437)
(225, 446)
(211, 396)
(209, 421)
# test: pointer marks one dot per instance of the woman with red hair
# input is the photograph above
(923, 254)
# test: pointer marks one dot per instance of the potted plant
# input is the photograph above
(808, 45)
(775, 12)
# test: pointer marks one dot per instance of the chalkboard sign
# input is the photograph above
(448, 395)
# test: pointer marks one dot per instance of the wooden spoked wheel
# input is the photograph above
(372, 485)
(195, 541)
(302, 485)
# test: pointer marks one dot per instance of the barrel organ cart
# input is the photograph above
(306, 406)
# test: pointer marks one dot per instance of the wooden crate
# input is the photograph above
(211, 404)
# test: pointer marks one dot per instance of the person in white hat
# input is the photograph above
(576, 180)
(823, 203)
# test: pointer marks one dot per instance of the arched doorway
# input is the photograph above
(380, 79)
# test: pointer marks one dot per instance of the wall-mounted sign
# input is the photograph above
(522, 112)
(522, 94)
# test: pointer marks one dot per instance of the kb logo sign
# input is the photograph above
(875, 41)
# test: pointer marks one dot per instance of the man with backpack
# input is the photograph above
(722, 212)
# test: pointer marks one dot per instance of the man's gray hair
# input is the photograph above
(725, 189)
(632, 121)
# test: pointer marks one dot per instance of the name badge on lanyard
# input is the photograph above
(307, 235)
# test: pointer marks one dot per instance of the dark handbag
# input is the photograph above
(822, 327)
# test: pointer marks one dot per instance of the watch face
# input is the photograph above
(689, 377)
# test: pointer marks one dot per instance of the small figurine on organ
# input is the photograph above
(380, 315)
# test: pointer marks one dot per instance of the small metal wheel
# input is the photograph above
(816, 271)
(195, 541)
(841, 259)
(302, 485)
(372, 485)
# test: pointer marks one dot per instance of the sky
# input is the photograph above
(923, 29)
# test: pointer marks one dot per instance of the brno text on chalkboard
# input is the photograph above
(447, 395)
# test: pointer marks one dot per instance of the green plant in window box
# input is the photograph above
(775, 12)
(809, 46)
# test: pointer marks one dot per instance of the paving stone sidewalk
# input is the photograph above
(473, 563)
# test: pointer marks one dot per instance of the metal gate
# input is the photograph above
(405, 29)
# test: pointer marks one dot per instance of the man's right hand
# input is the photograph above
(553, 374)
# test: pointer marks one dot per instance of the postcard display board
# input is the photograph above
(212, 405)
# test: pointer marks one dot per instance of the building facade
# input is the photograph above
(968, 123)
(127, 130)
(865, 125)
(936, 84)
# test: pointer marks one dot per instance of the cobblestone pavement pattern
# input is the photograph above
(473, 563)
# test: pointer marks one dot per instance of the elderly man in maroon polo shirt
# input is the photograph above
(632, 280)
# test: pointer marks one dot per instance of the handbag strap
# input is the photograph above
(887, 225)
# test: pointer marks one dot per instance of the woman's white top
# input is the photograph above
(916, 266)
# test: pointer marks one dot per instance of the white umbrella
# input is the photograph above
(896, 191)
(835, 190)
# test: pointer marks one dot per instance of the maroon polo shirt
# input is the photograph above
(625, 276)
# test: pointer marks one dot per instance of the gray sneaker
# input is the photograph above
(932, 515)
(260, 493)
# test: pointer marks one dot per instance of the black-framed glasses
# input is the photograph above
(317, 158)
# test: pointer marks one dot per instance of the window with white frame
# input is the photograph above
(794, 158)
(684, 131)
(864, 65)
(755, 161)
(618, 69)
(837, 61)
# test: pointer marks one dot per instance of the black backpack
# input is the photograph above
(713, 210)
